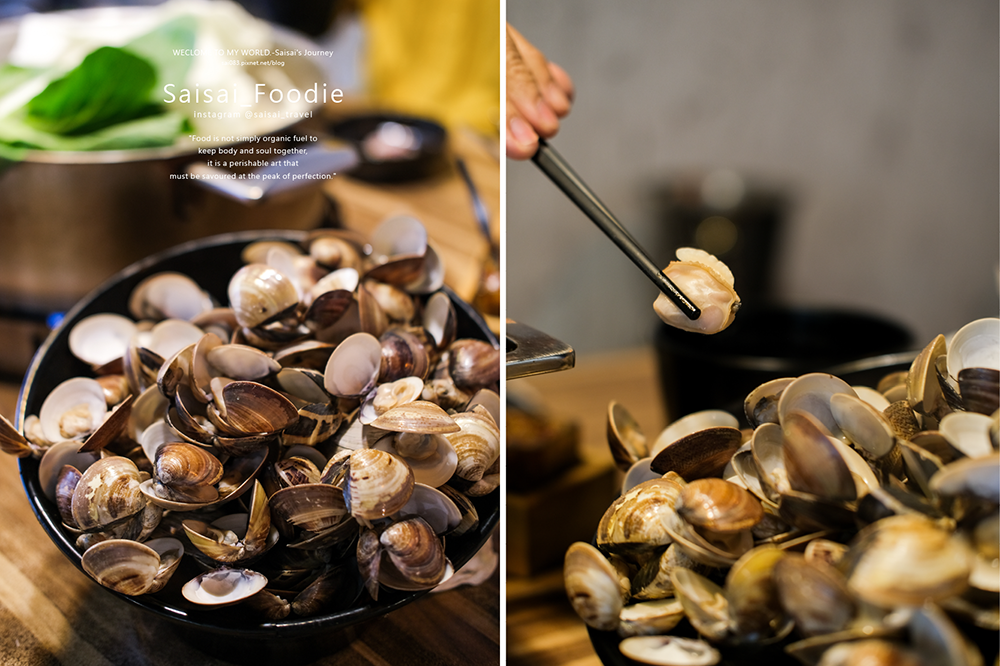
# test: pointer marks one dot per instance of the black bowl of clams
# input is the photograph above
(267, 436)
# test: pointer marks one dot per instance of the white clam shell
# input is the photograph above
(434, 506)
(342, 278)
(353, 366)
(969, 432)
(122, 565)
(169, 295)
(864, 424)
(81, 396)
(241, 361)
(156, 435)
(55, 457)
(477, 443)
(431, 275)
(811, 393)
(489, 399)
(592, 586)
(975, 345)
(291, 263)
(170, 336)
(637, 473)
(669, 651)
(101, 338)
(872, 397)
(221, 587)
(434, 470)
(399, 234)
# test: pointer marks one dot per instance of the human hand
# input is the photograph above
(539, 93)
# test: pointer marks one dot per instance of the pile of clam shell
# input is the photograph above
(320, 433)
(846, 525)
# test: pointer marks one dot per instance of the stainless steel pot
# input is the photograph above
(69, 220)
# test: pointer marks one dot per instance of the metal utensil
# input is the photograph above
(531, 352)
(559, 171)
(478, 207)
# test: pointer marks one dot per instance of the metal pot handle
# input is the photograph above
(326, 156)
(531, 352)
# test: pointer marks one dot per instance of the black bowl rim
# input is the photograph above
(429, 158)
(693, 345)
(389, 600)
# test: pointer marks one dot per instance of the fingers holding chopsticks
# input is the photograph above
(539, 94)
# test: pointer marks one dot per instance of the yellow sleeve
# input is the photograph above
(435, 58)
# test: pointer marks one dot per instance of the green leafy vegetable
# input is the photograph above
(159, 46)
(11, 77)
(111, 101)
(110, 86)
(148, 132)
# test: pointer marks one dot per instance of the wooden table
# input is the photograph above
(52, 613)
(542, 629)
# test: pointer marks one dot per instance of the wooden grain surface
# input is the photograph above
(542, 629)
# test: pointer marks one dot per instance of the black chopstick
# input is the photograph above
(556, 168)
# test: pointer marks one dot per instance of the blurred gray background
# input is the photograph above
(876, 121)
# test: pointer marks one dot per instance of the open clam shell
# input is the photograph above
(761, 404)
(863, 424)
(705, 603)
(434, 469)
(101, 338)
(439, 320)
(975, 345)
(814, 594)
(354, 366)
(811, 393)
(625, 437)
(252, 532)
(75, 408)
(813, 462)
(435, 507)
(699, 454)
(167, 295)
(223, 587)
(404, 354)
(58, 456)
(183, 464)
(314, 506)
(907, 560)
(250, 407)
(592, 586)
(922, 388)
(669, 651)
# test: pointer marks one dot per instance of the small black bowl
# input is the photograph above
(231, 633)
(424, 158)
